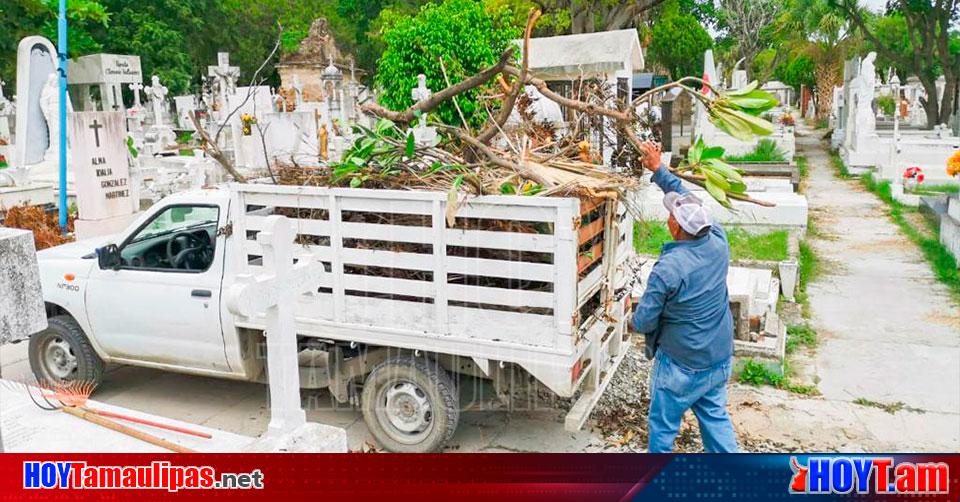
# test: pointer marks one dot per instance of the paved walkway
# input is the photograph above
(889, 332)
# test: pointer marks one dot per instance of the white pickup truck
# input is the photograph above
(410, 304)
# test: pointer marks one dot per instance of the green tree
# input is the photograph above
(920, 38)
(679, 41)
(797, 71)
(460, 32)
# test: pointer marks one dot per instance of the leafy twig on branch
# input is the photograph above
(436, 98)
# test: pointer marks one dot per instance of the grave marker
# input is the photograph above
(100, 165)
(275, 292)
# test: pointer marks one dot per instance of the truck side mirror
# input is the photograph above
(108, 257)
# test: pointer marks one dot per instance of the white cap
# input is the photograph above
(688, 210)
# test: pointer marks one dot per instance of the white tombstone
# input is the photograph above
(226, 76)
(275, 293)
(298, 91)
(106, 72)
(105, 196)
(423, 135)
(50, 103)
(941, 84)
(739, 79)
(36, 60)
(21, 304)
(6, 110)
(185, 105)
(157, 93)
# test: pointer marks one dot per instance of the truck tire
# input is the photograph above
(62, 353)
(410, 404)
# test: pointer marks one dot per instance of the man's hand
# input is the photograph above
(651, 155)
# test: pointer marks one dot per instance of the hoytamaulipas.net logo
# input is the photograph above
(158, 476)
(875, 475)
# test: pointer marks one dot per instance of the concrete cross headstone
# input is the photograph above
(135, 88)
(275, 292)
(422, 134)
(298, 92)
(157, 94)
(226, 76)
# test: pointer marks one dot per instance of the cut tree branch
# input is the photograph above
(439, 97)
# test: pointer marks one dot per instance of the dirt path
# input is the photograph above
(888, 362)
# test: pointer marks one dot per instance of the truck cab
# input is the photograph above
(148, 296)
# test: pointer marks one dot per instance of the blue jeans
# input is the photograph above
(674, 389)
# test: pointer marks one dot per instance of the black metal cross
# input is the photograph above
(96, 131)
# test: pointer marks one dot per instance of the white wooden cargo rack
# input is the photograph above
(515, 280)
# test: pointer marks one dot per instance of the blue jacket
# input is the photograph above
(686, 302)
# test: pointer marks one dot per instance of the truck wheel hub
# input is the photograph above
(407, 408)
(60, 360)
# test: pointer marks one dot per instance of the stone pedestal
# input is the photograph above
(33, 194)
(21, 300)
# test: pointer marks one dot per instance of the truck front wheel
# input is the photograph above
(410, 405)
(62, 353)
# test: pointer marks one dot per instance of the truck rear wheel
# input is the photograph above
(410, 404)
(62, 353)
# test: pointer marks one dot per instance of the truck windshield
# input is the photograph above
(178, 218)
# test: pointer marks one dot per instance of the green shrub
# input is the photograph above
(886, 104)
(765, 151)
(800, 335)
(463, 33)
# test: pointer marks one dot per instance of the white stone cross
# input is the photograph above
(136, 87)
(275, 292)
(421, 93)
(423, 135)
(225, 74)
(157, 93)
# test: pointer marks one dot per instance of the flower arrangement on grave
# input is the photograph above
(787, 120)
(953, 164)
(3, 162)
(912, 177)
(248, 121)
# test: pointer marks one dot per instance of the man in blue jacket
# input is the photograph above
(685, 313)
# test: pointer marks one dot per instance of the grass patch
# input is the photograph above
(840, 169)
(823, 123)
(804, 169)
(890, 408)
(943, 264)
(757, 374)
(800, 335)
(809, 269)
(649, 237)
(937, 189)
(765, 151)
(770, 246)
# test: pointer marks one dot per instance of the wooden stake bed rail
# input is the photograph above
(509, 273)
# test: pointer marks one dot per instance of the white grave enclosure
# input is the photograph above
(107, 73)
(36, 64)
(275, 291)
(105, 197)
(21, 304)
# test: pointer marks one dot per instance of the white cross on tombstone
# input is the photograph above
(157, 93)
(225, 74)
(136, 87)
(422, 134)
(275, 292)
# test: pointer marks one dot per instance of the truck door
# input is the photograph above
(163, 303)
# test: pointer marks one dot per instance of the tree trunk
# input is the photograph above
(828, 76)
(930, 107)
(946, 109)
